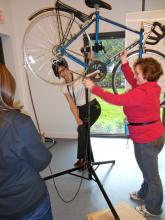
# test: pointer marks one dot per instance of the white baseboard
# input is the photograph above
(67, 135)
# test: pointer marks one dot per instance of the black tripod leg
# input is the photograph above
(105, 195)
(92, 157)
(104, 162)
(62, 173)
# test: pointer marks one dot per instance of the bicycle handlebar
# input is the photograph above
(157, 35)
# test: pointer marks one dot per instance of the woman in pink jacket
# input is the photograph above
(141, 105)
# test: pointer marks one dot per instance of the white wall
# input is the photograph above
(154, 5)
(5, 27)
(7, 36)
(52, 110)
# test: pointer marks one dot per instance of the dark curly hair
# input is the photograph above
(150, 67)
(59, 62)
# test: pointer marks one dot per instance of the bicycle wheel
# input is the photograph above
(42, 39)
(119, 83)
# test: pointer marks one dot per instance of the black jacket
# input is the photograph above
(22, 156)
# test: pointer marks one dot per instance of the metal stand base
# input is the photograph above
(91, 176)
(50, 140)
(91, 172)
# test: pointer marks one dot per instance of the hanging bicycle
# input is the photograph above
(60, 31)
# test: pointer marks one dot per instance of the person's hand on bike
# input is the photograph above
(88, 83)
(123, 56)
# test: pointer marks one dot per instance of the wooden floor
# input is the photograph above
(117, 181)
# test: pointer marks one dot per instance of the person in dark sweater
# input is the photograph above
(141, 105)
(23, 193)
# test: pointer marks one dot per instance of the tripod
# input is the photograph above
(91, 171)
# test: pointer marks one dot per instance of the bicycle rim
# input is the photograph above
(119, 83)
(42, 40)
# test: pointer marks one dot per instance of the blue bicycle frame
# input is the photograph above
(62, 49)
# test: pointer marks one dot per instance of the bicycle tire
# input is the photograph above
(118, 79)
(42, 40)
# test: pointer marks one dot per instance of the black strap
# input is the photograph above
(73, 94)
(143, 123)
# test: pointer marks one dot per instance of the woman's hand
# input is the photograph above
(88, 83)
(79, 121)
(123, 56)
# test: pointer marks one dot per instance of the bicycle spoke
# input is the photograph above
(45, 35)
(44, 38)
(36, 49)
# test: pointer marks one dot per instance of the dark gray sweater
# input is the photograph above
(22, 156)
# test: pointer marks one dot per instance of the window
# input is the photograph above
(111, 120)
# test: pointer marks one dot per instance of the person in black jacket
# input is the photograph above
(23, 193)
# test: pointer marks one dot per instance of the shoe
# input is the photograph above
(78, 163)
(143, 211)
(81, 163)
(84, 164)
(134, 196)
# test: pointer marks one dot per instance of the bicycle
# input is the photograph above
(61, 30)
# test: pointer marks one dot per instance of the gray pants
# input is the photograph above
(151, 189)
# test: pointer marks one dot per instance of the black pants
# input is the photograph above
(84, 143)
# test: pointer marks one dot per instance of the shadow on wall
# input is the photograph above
(2, 60)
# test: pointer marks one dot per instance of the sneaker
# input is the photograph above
(143, 211)
(81, 163)
(78, 163)
(134, 196)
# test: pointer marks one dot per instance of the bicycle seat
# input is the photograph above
(97, 4)
(66, 8)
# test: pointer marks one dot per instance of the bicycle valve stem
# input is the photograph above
(92, 74)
